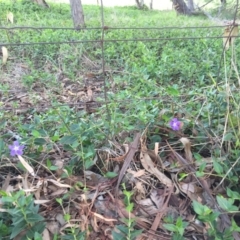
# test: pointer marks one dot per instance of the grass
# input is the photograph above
(179, 71)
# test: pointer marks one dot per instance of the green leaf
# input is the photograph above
(123, 229)
(179, 222)
(111, 174)
(200, 174)
(170, 227)
(118, 236)
(226, 204)
(67, 217)
(234, 227)
(201, 209)
(55, 138)
(49, 163)
(68, 140)
(129, 208)
(74, 128)
(6, 199)
(136, 233)
(53, 168)
(33, 218)
(228, 137)
(43, 132)
(182, 176)
(4, 230)
(3, 193)
(39, 227)
(232, 194)
(202, 167)
(17, 229)
(172, 91)
(210, 217)
(176, 236)
(88, 163)
(37, 236)
(217, 167)
(35, 133)
(59, 200)
(39, 141)
(1, 147)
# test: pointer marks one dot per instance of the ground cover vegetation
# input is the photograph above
(158, 160)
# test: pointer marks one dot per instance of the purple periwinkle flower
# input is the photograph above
(175, 124)
(16, 149)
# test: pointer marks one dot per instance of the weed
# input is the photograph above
(22, 215)
(127, 232)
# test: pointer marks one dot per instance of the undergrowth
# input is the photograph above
(152, 75)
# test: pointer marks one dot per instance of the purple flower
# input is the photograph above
(175, 124)
(16, 149)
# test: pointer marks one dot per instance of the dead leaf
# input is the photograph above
(5, 55)
(93, 179)
(53, 227)
(41, 201)
(149, 166)
(190, 191)
(10, 17)
(26, 165)
(58, 192)
(148, 207)
(136, 174)
(6, 183)
(103, 218)
(90, 93)
(156, 147)
(140, 191)
(46, 235)
(60, 219)
(105, 208)
(187, 148)
(187, 187)
(229, 36)
(58, 183)
(157, 198)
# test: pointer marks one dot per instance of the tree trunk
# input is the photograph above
(223, 2)
(180, 7)
(139, 3)
(41, 3)
(223, 6)
(77, 14)
(190, 5)
(151, 4)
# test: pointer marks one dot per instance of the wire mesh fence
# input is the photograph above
(98, 52)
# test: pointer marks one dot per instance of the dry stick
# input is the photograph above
(224, 217)
(128, 159)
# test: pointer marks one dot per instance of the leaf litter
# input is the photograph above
(91, 199)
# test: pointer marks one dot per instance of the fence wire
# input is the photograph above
(102, 40)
